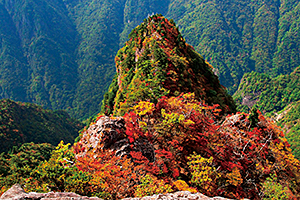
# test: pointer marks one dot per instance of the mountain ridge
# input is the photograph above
(62, 52)
(25, 122)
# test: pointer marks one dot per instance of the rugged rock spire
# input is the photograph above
(156, 62)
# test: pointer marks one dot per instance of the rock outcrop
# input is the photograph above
(109, 133)
(16, 192)
(181, 195)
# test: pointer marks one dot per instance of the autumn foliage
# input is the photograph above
(197, 146)
(195, 150)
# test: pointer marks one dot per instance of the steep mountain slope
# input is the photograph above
(43, 45)
(240, 36)
(99, 24)
(23, 122)
(60, 53)
(157, 62)
(12, 60)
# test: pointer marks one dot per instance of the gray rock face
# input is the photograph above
(109, 133)
(238, 120)
(17, 193)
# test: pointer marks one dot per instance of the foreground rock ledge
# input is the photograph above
(182, 195)
(17, 193)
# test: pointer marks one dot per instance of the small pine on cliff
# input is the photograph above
(156, 62)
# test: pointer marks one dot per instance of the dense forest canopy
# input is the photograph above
(60, 53)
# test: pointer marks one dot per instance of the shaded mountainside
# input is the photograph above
(98, 25)
(38, 53)
(43, 45)
(60, 53)
(24, 122)
(156, 62)
(277, 97)
(241, 36)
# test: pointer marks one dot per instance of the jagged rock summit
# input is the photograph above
(156, 61)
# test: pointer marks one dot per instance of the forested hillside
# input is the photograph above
(171, 127)
(22, 160)
(239, 36)
(60, 53)
(25, 122)
(268, 94)
(37, 54)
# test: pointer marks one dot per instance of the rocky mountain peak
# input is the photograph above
(156, 61)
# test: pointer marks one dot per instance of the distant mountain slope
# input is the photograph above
(239, 36)
(60, 53)
(99, 24)
(269, 95)
(39, 53)
(23, 122)
(12, 60)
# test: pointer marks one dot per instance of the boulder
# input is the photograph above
(109, 133)
(16, 192)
